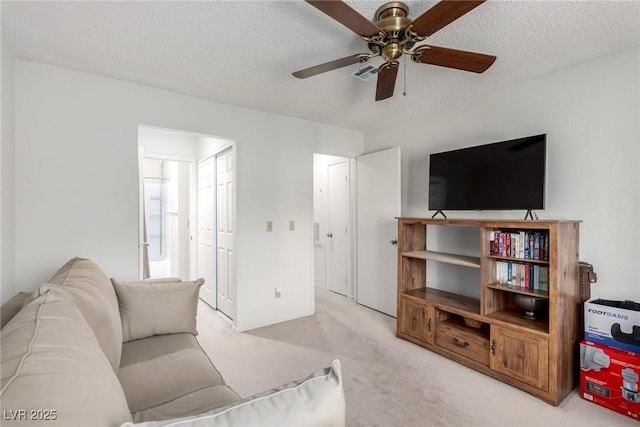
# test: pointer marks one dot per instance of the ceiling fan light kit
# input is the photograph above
(394, 34)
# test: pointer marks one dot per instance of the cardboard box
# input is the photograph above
(613, 323)
(609, 377)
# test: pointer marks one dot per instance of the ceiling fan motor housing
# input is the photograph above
(392, 21)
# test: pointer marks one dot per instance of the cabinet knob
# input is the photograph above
(329, 234)
(394, 242)
(493, 347)
(429, 325)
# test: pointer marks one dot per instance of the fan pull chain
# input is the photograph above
(404, 73)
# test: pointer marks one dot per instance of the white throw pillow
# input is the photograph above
(316, 401)
(149, 308)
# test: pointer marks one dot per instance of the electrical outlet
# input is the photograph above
(278, 292)
(269, 226)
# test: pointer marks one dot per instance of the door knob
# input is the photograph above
(394, 241)
(329, 234)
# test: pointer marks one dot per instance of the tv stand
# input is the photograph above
(439, 212)
(491, 334)
(531, 214)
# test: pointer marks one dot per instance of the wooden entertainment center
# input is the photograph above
(491, 334)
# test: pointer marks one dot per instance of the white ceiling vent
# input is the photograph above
(367, 73)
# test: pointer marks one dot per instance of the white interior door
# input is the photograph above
(337, 249)
(226, 292)
(378, 204)
(206, 225)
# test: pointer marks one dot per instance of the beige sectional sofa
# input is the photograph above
(84, 350)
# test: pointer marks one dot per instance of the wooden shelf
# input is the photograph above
(446, 300)
(518, 290)
(519, 260)
(519, 224)
(515, 318)
(455, 259)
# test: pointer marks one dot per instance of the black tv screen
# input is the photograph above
(500, 176)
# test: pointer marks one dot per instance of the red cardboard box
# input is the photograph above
(610, 377)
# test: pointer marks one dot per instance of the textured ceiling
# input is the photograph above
(243, 52)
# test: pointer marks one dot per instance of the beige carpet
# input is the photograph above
(388, 382)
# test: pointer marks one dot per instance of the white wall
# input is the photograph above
(76, 173)
(591, 116)
(208, 146)
(7, 201)
(170, 144)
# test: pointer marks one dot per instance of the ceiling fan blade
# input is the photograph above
(329, 66)
(441, 15)
(386, 80)
(347, 16)
(458, 59)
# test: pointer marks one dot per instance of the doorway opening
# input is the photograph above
(365, 211)
(166, 193)
(184, 223)
(333, 224)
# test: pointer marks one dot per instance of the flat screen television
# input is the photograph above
(505, 175)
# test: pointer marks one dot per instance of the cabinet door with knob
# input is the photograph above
(522, 356)
(416, 320)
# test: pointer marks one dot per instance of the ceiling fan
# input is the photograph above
(394, 34)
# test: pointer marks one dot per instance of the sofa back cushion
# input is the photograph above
(53, 369)
(12, 307)
(149, 308)
(89, 288)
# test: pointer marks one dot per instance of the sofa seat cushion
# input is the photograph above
(197, 402)
(51, 361)
(90, 289)
(158, 345)
(162, 369)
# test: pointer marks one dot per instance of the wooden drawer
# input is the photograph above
(470, 342)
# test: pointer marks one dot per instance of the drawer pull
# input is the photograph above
(429, 325)
(493, 347)
(457, 342)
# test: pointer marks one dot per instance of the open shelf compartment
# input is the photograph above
(447, 258)
(447, 301)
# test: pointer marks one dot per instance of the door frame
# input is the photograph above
(353, 223)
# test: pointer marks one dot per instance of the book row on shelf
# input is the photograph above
(524, 275)
(520, 244)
